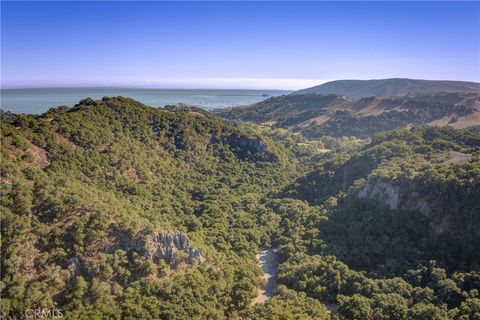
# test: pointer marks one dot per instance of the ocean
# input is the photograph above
(39, 100)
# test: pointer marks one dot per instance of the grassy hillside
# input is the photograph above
(116, 210)
(283, 111)
(315, 116)
(390, 87)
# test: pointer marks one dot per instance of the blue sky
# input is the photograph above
(285, 45)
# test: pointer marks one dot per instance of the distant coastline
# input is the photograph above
(39, 100)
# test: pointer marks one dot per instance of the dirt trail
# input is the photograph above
(268, 261)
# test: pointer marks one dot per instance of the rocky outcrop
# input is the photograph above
(241, 141)
(381, 191)
(165, 246)
(172, 248)
(403, 195)
(396, 194)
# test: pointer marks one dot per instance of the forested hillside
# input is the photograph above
(401, 232)
(403, 197)
(89, 192)
(116, 210)
(317, 115)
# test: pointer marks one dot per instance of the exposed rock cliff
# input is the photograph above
(255, 145)
(396, 194)
(382, 191)
(159, 246)
(171, 248)
(405, 195)
(165, 246)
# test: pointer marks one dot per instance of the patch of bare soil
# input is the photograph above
(451, 156)
(40, 158)
(65, 141)
(466, 121)
(196, 113)
(371, 108)
(132, 174)
(314, 122)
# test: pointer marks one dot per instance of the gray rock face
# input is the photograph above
(404, 195)
(396, 195)
(381, 191)
(160, 246)
(169, 247)
(165, 246)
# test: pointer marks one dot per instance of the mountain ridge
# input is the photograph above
(390, 87)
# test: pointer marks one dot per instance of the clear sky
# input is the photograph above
(265, 45)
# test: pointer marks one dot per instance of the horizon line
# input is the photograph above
(170, 83)
(272, 84)
(140, 88)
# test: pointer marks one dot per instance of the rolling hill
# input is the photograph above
(390, 87)
(317, 115)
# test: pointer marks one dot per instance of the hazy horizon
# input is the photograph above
(180, 84)
(197, 85)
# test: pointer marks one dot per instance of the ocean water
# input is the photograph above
(39, 100)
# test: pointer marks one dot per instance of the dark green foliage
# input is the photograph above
(86, 189)
(398, 200)
(289, 305)
(81, 186)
